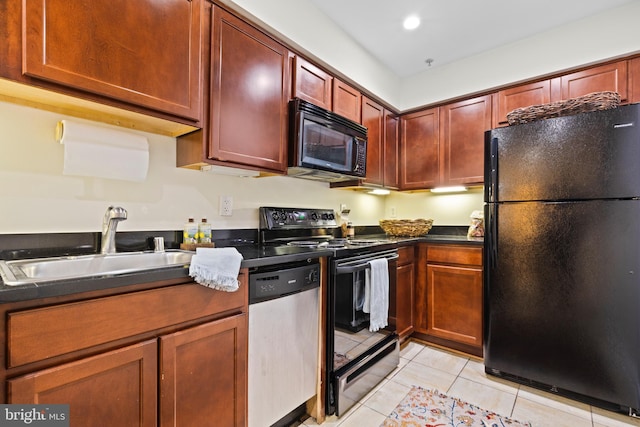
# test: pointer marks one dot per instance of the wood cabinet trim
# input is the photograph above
(66, 328)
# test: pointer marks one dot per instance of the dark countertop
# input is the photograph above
(253, 255)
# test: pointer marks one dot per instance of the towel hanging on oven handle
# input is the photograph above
(359, 265)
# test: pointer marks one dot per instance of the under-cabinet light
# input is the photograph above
(224, 170)
(380, 192)
(454, 189)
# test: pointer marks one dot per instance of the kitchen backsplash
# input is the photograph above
(38, 198)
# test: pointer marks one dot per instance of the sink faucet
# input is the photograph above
(112, 216)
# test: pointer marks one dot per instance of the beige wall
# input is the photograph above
(36, 197)
(605, 35)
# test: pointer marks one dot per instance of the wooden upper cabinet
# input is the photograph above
(145, 53)
(608, 77)
(634, 80)
(391, 150)
(520, 97)
(419, 150)
(373, 119)
(312, 84)
(462, 127)
(347, 101)
(250, 91)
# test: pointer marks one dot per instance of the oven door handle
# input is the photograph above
(352, 268)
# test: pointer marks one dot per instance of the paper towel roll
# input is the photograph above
(102, 152)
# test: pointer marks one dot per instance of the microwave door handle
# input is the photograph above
(354, 153)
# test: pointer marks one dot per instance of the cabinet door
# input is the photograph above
(250, 85)
(145, 52)
(419, 150)
(312, 84)
(609, 77)
(117, 388)
(634, 80)
(204, 375)
(454, 303)
(391, 150)
(373, 119)
(405, 292)
(347, 101)
(520, 97)
(462, 125)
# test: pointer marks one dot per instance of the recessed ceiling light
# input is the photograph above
(411, 22)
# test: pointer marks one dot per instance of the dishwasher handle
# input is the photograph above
(360, 265)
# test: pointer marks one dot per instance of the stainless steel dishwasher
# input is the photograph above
(283, 340)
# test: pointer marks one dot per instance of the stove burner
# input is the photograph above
(335, 243)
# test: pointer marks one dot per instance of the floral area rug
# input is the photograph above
(427, 408)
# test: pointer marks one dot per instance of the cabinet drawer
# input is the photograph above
(406, 255)
(38, 334)
(454, 255)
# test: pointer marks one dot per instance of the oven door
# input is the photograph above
(358, 358)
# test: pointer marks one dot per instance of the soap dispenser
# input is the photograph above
(204, 231)
(190, 233)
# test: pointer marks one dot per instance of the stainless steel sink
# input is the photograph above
(21, 272)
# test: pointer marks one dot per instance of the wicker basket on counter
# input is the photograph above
(406, 227)
(592, 102)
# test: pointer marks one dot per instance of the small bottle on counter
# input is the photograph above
(190, 232)
(204, 231)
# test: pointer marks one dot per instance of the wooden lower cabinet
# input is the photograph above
(405, 280)
(116, 388)
(167, 356)
(449, 296)
(202, 375)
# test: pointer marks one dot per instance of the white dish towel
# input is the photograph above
(376, 291)
(216, 268)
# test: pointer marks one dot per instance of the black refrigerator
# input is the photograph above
(562, 256)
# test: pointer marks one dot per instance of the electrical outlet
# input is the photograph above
(226, 205)
(393, 212)
(343, 206)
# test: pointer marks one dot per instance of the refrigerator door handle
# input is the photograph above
(493, 241)
(493, 186)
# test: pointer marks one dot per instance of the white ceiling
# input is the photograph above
(450, 29)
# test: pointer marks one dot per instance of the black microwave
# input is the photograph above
(323, 145)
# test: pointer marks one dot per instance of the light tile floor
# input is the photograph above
(464, 377)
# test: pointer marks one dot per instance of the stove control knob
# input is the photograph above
(312, 276)
(331, 216)
(314, 216)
